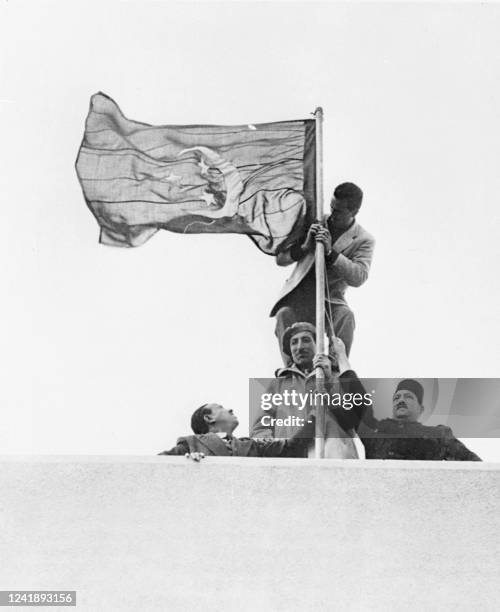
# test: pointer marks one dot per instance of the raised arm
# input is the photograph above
(296, 446)
(350, 383)
(262, 427)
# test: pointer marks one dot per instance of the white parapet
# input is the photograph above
(163, 533)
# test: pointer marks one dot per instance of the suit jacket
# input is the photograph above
(355, 248)
(212, 444)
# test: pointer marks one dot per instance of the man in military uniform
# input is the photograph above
(402, 436)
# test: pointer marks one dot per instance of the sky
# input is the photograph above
(108, 350)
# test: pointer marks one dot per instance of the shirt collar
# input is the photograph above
(330, 226)
(295, 370)
(223, 435)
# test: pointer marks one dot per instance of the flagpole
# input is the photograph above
(319, 446)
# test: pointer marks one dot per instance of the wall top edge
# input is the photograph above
(255, 462)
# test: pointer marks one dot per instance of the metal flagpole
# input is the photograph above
(319, 446)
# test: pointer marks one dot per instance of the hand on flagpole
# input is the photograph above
(323, 235)
(309, 243)
(323, 362)
(317, 233)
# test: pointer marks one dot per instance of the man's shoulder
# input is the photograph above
(443, 431)
(436, 431)
(289, 372)
(362, 234)
(283, 372)
(414, 427)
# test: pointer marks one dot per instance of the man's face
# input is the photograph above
(302, 348)
(223, 419)
(342, 215)
(405, 406)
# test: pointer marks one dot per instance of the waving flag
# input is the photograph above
(248, 179)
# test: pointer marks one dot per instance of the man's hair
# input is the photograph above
(296, 328)
(198, 423)
(350, 193)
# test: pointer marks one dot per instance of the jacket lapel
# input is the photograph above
(306, 263)
(241, 448)
(346, 238)
(214, 444)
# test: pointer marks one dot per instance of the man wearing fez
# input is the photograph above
(279, 420)
(213, 427)
(348, 255)
(402, 436)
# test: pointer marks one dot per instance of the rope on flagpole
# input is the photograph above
(319, 445)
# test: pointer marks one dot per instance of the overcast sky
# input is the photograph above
(109, 350)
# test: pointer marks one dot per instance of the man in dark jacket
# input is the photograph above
(402, 436)
(213, 427)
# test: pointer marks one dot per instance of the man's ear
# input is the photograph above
(208, 418)
(422, 409)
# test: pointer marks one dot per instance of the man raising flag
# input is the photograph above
(348, 255)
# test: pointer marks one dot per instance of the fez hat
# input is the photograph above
(296, 328)
(408, 384)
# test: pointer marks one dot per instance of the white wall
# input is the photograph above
(247, 534)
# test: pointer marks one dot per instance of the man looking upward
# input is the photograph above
(213, 427)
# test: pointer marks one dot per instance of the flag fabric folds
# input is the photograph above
(249, 179)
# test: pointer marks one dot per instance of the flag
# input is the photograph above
(256, 179)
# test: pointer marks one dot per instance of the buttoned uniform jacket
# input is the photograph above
(411, 440)
(212, 444)
(394, 439)
(351, 267)
(340, 424)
